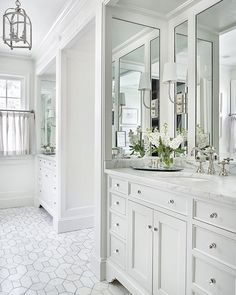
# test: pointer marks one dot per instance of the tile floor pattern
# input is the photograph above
(35, 260)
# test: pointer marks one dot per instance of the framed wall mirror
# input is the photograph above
(48, 109)
(181, 89)
(135, 80)
(216, 78)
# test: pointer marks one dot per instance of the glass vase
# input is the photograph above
(167, 160)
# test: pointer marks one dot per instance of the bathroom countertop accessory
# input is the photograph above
(158, 169)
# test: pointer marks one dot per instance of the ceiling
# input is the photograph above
(43, 14)
(163, 7)
(228, 48)
(219, 18)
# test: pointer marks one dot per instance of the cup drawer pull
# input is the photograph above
(213, 215)
(139, 192)
(171, 202)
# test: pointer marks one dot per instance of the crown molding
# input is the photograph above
(180, 8)
(140, 10)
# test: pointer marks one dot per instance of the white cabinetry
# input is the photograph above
(214, 248)
(47, 185)
(146, 243)
(156, 265)
(169, 255)
(163, 242)
(140, 244)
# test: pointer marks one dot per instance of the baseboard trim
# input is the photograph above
(16, 199)
(98, 267)
(74, 223)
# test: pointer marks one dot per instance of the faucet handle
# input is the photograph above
(228, 160)
(223, 171)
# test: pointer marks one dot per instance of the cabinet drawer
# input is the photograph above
(118, 225)
(117, 251)
(160, 198)
(216, 215)
(212, 280)
(216, 245)
(119, 185)
(118, 204)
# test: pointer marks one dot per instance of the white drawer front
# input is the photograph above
(217, 215)
(160, 198)
(119, 185)
(213, 280)
(118, 204)
(118, 225)
(117, 251)
(216, 245)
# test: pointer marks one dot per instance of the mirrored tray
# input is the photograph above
(159, 169)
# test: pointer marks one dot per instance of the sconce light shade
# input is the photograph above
(145, 82)
(51, 114)
(122, 101)
(170, 72)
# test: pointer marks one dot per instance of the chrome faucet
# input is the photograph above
(200, 158)
(225, 162)
(212, 156)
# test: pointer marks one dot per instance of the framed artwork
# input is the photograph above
(127, 129)
(121, 139)
(129, 116)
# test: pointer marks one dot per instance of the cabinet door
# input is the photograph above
(169, 257)
(140, 247)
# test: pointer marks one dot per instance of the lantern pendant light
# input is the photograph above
(17, 28)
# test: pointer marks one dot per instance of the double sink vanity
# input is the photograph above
(171, 233)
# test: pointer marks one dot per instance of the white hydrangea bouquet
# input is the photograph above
(137, 146)
(164, 145)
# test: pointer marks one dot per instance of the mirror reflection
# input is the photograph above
(48, 120)
(181, 60)
(216, 80)
(135, 82)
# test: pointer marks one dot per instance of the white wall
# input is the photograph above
(17, 174)
(77, 151)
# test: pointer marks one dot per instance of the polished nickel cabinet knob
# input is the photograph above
(117, 224)
(213, 215)
(212, 246)
(117, 251)
(139, 192)
(155, 229)
(171, 202)
(117, 185)
(149, 227)
(212, 282)
(117, 203)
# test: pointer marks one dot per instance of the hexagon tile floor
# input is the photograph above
(35, 260)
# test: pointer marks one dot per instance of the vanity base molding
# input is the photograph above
(115, 273)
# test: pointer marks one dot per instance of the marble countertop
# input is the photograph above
(48, 157)
(211, 187)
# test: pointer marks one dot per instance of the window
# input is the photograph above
(11, 93)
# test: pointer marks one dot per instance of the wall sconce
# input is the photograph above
(170, 77)
(145, 85)
(122, 102)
